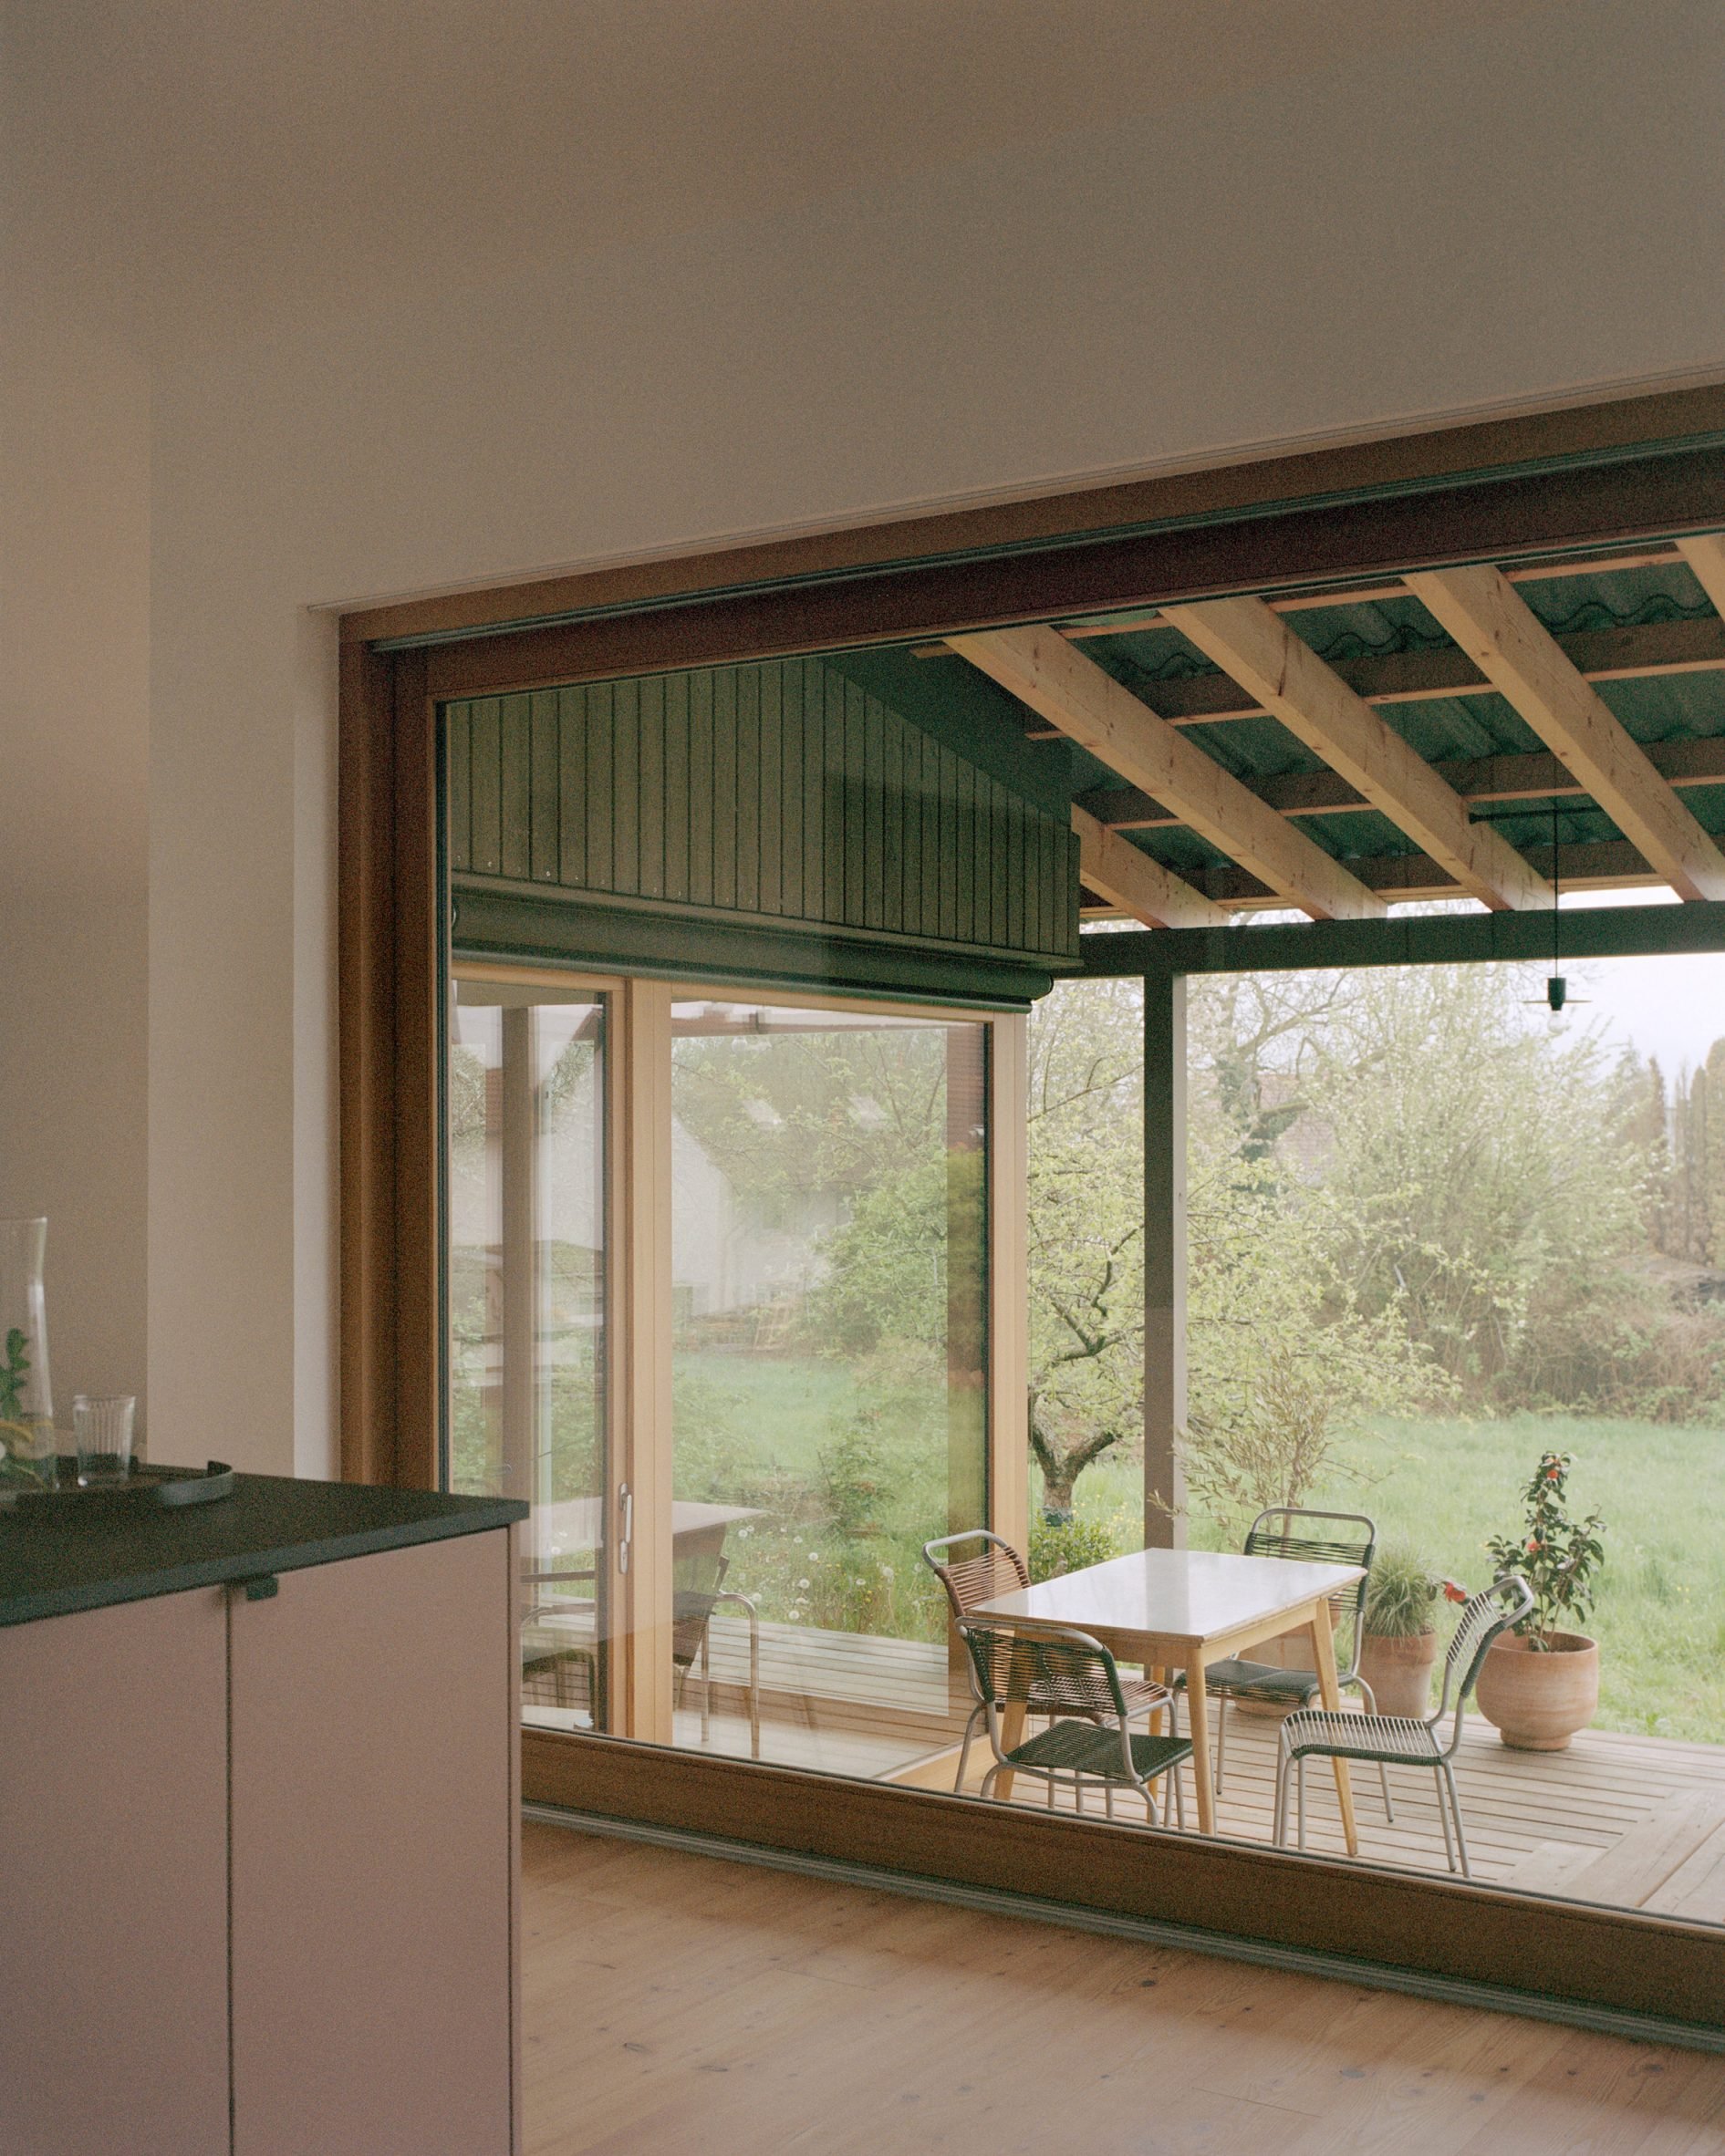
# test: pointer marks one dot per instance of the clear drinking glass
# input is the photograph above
(102, 1426)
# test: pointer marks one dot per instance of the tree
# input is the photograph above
(1086, 1230)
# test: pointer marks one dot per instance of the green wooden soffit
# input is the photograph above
(780, 796)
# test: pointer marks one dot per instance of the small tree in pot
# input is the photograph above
(1540, 1683)
(1398, 1646)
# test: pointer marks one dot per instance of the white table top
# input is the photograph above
(1172, 1594)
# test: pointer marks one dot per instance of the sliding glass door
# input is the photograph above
(829, 1344)
(527, 1294)
(719, 1310)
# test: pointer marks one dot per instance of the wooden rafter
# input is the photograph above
(1511, 646)
(1533, 774)
(1043, 671)
(1705, 557)
(1625, 651)
(1127, 876)
(1260, 651)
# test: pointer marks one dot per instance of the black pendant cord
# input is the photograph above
(1557, 891)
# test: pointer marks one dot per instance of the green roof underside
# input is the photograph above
(948, 695)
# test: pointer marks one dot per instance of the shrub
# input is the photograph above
(1058, 1546)
(1403, 1594)
(1555, 1554)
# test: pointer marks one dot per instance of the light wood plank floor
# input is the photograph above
(682, 2006)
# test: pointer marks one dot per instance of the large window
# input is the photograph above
(827, 1255)
(733, 1469)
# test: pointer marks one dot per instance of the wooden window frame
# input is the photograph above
(1594, 476)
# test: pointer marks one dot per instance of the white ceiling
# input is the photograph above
(231, 157)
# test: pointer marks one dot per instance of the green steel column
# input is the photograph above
(1164, 1258)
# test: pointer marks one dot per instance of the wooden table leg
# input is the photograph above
(1198, 1717)
(1324, 1662)
(1012, 1718)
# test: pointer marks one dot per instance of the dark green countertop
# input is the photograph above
(56, 1556)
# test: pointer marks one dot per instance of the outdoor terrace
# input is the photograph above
(1632, 1822)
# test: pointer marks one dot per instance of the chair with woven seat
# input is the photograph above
(697, 1591)
(992, 1567)
(1307, 1537)
(1093, 1737)
(1395, 1740)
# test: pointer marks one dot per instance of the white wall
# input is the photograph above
(74, 715)
(1476, 222)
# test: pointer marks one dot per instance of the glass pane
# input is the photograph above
(1478, 1242)
(526, 1310)
(828, 1240)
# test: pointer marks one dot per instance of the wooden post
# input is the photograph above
(1164, 1258)
(1008, 1286)
(518, 1178)
(637, 1576)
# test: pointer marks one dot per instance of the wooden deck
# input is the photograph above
(1632, 1822)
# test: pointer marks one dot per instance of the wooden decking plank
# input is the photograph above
(1640, 1863)
(1697, 1888)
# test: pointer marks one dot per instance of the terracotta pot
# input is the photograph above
(1538, 1701)
(1400, 1672)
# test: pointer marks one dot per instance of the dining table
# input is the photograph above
(1170, 1610)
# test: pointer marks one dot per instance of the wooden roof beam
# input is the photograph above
(1705, 557)
(1129, 878)
(1533, 774)
(1260, 651)
(1042, 670)
(1494, 625)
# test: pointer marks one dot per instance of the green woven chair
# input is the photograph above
(974, 1567)
(1393, 1740)
(1093, 1740)
(1309, 1538)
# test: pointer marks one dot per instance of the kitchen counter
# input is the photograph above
(58, 1555)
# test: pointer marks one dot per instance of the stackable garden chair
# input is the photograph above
(1395, 1740)
(992, 1566)
(1092, 1740)
(1311, 1538)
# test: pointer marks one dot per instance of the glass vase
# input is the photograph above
(26, 1402)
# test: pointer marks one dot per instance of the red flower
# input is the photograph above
(1532, 1543)
(1454, 1591)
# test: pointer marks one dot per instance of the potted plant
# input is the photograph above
(1540, 1683)
(1398, 1640)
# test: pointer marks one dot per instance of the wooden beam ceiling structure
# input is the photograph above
(1042, 670)
(1258, 649)
(1128, 878)
(1705, 557)
(1488, 618)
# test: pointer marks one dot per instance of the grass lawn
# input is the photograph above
(1442, 1486)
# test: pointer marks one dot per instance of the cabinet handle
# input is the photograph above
(264, 1589)
(626, 1506)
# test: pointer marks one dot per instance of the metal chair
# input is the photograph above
(559, 1634)
(1309, 1538)
(697, 1592)
(1312, 1732)
(995, 1566)
(1092, 1737)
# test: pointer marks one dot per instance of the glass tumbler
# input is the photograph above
(102, 1425)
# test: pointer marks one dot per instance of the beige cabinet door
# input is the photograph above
(113, 1880)
(374, 1826)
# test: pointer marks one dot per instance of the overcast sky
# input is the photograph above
(1672, 1007)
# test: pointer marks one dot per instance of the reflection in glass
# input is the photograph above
(828, 1236)
(526, 1310)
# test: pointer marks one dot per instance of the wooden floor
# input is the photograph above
(680, 2005)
